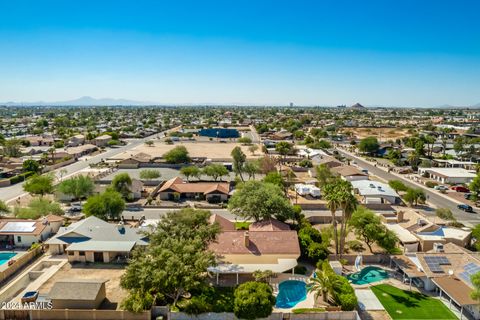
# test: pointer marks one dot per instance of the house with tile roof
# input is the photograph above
(95, 240)
(23, 233)
(267, 245)
(210, 191)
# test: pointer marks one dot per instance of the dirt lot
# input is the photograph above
(382, 134)
(115, 294)
(212, 150)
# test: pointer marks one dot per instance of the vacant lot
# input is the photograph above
(112, 273)
(403, 304)
(381, 134)
(212, 150)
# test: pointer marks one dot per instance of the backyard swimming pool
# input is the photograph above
(368, 275)
(5, 256)
(290, 293)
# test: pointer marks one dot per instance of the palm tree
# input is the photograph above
(331, 195)
(324, 283)
(348, 203)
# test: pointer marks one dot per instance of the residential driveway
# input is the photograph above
(367, 300)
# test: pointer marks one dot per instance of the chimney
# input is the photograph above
(246, 239)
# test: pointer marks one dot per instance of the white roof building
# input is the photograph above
(375, 192)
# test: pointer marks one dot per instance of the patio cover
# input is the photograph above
(281, 266)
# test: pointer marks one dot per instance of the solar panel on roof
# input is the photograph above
(20, 226)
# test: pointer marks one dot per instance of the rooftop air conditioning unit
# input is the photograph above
(438, 247)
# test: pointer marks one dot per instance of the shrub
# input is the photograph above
(348, 301)
(431, 184)
(197, 305)
(355, 245)
(253, 300)
(300, 270)
(21, 177)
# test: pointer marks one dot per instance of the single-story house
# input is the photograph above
(449, 175)
(23, 233)
(76, 140)
(210, 191)
(135, 161)
(102, 141)
(81, 150)
(375, 192)
(267, 245)
(77, 294)
(350, 173)
(94, 240)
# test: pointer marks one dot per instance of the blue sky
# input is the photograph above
(378, 52)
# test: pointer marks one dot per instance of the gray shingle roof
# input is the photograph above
(76, 289)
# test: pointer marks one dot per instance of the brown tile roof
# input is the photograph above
(268, 225)
(225, 225)
(260, 242)
(177, 184)
(346, 171)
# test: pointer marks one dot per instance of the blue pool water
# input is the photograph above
(290, 293)
(5, 256)
(368, 275)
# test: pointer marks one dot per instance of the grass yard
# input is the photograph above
(403, 304)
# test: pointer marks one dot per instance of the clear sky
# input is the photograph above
(376, 52)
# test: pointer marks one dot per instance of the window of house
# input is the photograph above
(19, 238)
(81, 253)
(71, 253)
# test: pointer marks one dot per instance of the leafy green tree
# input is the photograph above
(259, 200)
(414, 196)
(474, 187)
(31, 166)
(215, 171)
(284, 148)
(239, 159)
(397, 185)
(368, 226)
(253, 148)
(324, 175)
(122, 184)
(38, 207)
(311, 243)
(190, 171)
(149, 143)
(4, 209)
(475, 280)
(78, 187)
(369, 145)
(253, 300)
(174, 262)
(11, 148)
(149, 174)
(39, 184)
(251, 169)
(275, 178)
(445, 214)
(476, 236)
(245, 140)
(106, 205)
(177, 155)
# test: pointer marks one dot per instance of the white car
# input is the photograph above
(441, 188)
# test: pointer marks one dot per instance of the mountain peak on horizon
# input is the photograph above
(82, 101)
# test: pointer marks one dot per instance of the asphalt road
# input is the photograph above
(12, 192)
(433, 196)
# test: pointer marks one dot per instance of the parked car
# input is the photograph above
(467, 195)
(133, 208)
(465, 207)
(441, 188)
(76, 206)
(460, 189)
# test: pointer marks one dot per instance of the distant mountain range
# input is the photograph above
(90, 101)
(82, 101)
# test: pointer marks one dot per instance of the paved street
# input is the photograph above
(12, 192)
(433, 196)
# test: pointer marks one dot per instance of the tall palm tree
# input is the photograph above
(331, 195)
(324, 283)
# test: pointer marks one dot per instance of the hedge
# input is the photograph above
(21, 177)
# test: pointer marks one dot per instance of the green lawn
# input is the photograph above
(242, 225)
(404, 304)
